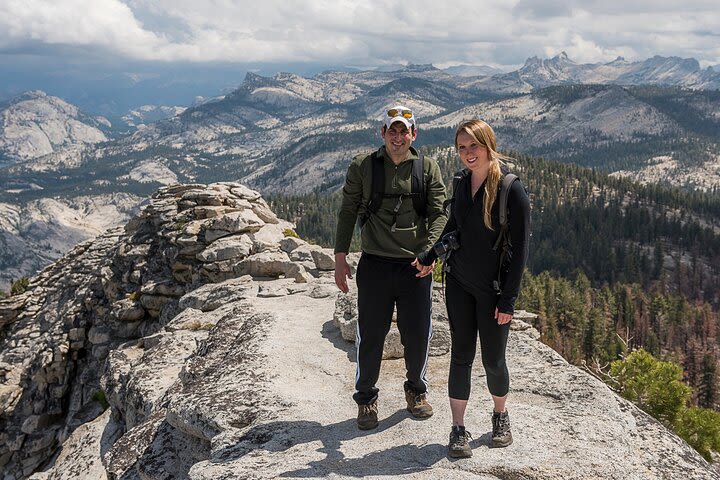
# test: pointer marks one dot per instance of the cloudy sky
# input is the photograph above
(501, 33)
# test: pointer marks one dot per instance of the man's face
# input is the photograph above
(398, 139)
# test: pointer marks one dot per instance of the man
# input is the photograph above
(391, 236)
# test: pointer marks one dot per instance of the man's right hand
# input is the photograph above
(342, 272)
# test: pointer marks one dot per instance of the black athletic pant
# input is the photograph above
(472, 314)
(383, 283)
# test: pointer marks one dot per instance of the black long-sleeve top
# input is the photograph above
(475, 265)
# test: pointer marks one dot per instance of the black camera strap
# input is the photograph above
(463, 174)
(457, 179)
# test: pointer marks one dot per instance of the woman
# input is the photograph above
(474, 306)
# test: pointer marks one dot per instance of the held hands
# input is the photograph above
(342, 272)
(423, 270)
(502, 318)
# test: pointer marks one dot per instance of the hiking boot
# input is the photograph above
(501, 436)
(367, 418)
(417, 404)
(459, 445)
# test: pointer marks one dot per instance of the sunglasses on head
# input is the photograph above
(398, 112)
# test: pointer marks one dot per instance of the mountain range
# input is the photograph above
(681, 72)
(656, 120)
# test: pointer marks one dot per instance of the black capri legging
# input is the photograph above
(472, 315)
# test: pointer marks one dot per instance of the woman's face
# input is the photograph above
(474, 155)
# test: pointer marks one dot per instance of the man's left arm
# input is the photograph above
(436, 195)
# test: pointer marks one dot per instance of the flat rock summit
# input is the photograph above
(205, 341)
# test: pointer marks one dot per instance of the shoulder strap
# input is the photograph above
(377, 186)
(459, 175)
(503, 196)
(419, 197)
(503, 239)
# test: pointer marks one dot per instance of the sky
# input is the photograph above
(363, 33)
(108, 56)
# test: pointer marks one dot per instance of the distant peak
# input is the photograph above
(253, 77)
(31, 94)
(253, 80)
(688, 63)
(424, 67)
(561, 57)
(558, 62)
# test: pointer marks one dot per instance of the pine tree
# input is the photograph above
(707, 390)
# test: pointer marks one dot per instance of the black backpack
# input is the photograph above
(377, 187)
(503, 240)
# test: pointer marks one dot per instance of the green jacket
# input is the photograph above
(413, 234)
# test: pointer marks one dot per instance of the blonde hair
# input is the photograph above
(484, 135)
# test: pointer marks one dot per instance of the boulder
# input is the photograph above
(244, 221)
(265, 264)
(324, 258)
(345, 319)
(212, 296)
(288, 244)
(234, 247)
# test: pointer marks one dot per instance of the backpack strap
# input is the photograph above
(459, 176)
(377, 187)
(504, 192)
(503, 239)
(419, 195)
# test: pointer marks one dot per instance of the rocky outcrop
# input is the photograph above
(106, 303)
(199, 342)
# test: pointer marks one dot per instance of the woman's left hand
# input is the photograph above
(502, 318)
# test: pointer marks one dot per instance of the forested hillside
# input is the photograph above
(613, 264)
(594, 326)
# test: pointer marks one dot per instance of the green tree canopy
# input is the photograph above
(654, 385)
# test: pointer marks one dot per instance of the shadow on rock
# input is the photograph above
(283, 435)
(394, 461)
(331, 332)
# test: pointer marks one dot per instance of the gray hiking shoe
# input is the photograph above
(417, 404)
(501, 436)
(367, 418)
(459, 445)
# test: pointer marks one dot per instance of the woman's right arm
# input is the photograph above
(429, 256)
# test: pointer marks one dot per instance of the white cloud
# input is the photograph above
(105, 24)
(365, 33)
